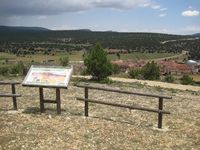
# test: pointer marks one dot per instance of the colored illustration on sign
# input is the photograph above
(48, 76)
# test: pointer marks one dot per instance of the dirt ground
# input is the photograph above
(106, 127)
(159, 84)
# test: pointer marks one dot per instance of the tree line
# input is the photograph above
(141, 42)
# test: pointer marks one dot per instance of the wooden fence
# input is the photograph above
(13, 95)
(160, 110)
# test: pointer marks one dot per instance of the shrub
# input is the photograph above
(169, 78)
(64, 60)
(151, 71)
(106, 81)
(84, 72)
(115, 69)
(97, 63)
(186, 79)
(135, 73)
(19, 68)
(4, 70)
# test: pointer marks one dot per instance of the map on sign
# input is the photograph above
(48, 76)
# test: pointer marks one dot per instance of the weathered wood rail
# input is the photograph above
(13, 95)
(160, 110)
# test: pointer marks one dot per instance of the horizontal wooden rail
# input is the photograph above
(9, 82)
(10, 95)
(49, 101)
(123, 106)
(13, 95)
(160, 110)
(122, 91)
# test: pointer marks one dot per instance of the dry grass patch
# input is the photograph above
(106, 127)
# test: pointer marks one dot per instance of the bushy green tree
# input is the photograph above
(97, 63)
(186, 79)
(64, 60)
(151, 71)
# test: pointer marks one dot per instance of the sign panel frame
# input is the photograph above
(48, 76)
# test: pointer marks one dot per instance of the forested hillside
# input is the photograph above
(142, 42)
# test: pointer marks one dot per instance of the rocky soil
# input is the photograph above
(106, 127)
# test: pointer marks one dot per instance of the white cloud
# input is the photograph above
(119, 4)
(155, 6)
(163, 9)
(162, 15)
(42, 17)
(190, 13)
(54, 7)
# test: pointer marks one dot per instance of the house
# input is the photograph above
(129, 64)
(172, 67)
(166, 67)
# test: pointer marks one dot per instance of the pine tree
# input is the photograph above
(97, 63)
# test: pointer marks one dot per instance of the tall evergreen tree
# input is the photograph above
(97, 63)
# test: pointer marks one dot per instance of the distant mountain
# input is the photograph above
(196, 34)
(21, 28)
(110, 31)
(132, 41)
(87, 30)
(110, 39)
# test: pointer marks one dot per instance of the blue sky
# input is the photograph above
(163, 16)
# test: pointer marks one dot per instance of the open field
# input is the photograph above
(73, 56)
(140, 56)
(107, 127)
(78, 56)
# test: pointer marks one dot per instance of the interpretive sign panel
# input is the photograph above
(48, 76)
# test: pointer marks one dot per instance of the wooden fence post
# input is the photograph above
(58, 101)
(159, 111)
(14, 98)
(41, 99)
(160, 114)
(86, 102)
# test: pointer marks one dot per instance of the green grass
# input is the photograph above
(139, 56)
(78, 56)
(73, 56)
(4, 56)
